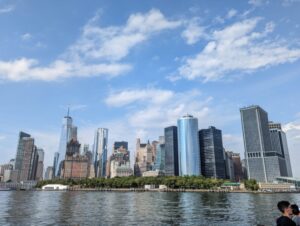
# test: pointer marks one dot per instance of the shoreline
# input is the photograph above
(167, 190)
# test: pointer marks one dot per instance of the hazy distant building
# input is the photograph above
(229, 165)
(171, 151)
(144, 158)
(188, 146)
(263, 163)
(68, 132)
(49, 173)
(55, 163)
(212, 153)
(100, 151)
(159, 163)
(40, 166)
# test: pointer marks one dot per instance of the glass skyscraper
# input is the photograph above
(212, 153)
(188, 146)
(171, 151)
(67, 133)
(100, 151)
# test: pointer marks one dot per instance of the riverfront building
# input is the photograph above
(144, 158)
(188, 146)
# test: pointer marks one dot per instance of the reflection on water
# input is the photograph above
(148, 208)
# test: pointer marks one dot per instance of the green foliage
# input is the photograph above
(251, 185)
(186, 182)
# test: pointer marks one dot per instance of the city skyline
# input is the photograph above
(164, 69)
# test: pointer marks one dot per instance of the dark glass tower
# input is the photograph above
(171, 151)
(212, 153)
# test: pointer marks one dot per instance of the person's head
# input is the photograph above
(284, 207)
(295, 209)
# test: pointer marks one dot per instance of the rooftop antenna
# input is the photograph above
(68, 111)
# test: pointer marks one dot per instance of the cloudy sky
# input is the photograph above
(134, 67)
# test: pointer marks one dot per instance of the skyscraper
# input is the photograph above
(68, 131)
(55, 164)
(212, 153)
(280, 146)
(26, 158)
(159, 163)
(263, 163)
(171, 151)
(143, 157)
(100, 151)
(188, 146)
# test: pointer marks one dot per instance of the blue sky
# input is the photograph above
(136, 66)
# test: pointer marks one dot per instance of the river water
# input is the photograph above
(133, 208)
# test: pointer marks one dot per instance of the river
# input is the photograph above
(139, 208)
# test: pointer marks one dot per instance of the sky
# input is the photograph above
(135, 67)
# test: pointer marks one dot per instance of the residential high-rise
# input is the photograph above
(26, 158)
(280, 147)
(100, 151)
(171, 151)
(212, 153)
(68, 132)
(263, 163)
(188, 146)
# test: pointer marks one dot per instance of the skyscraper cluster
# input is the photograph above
(182, 150)
(28, 164)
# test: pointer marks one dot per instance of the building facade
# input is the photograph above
(171, 151)
(188, 146)
(100, 151)
(212, 153)
(144, 158)
(264, 164)
(68, 131)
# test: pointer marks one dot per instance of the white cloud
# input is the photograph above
(26, 36)
(30, 69)
(126, 97)
(94, 54)
(193, 32)
(257, 3)
(7, 9)
(2, 137)
(114, 43)
(238, 48)
(231, 13)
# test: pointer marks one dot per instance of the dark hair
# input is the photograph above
(295, 209)
(282, 205)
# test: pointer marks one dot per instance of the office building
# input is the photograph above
(49, 173)
(100, 151)
(171, 151)
(264, 163)
(68, 132)
(212, 153)
(229, 165)
(40, 165)
(188, 146)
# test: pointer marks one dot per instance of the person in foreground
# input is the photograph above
(286, 210)
(296, 214)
